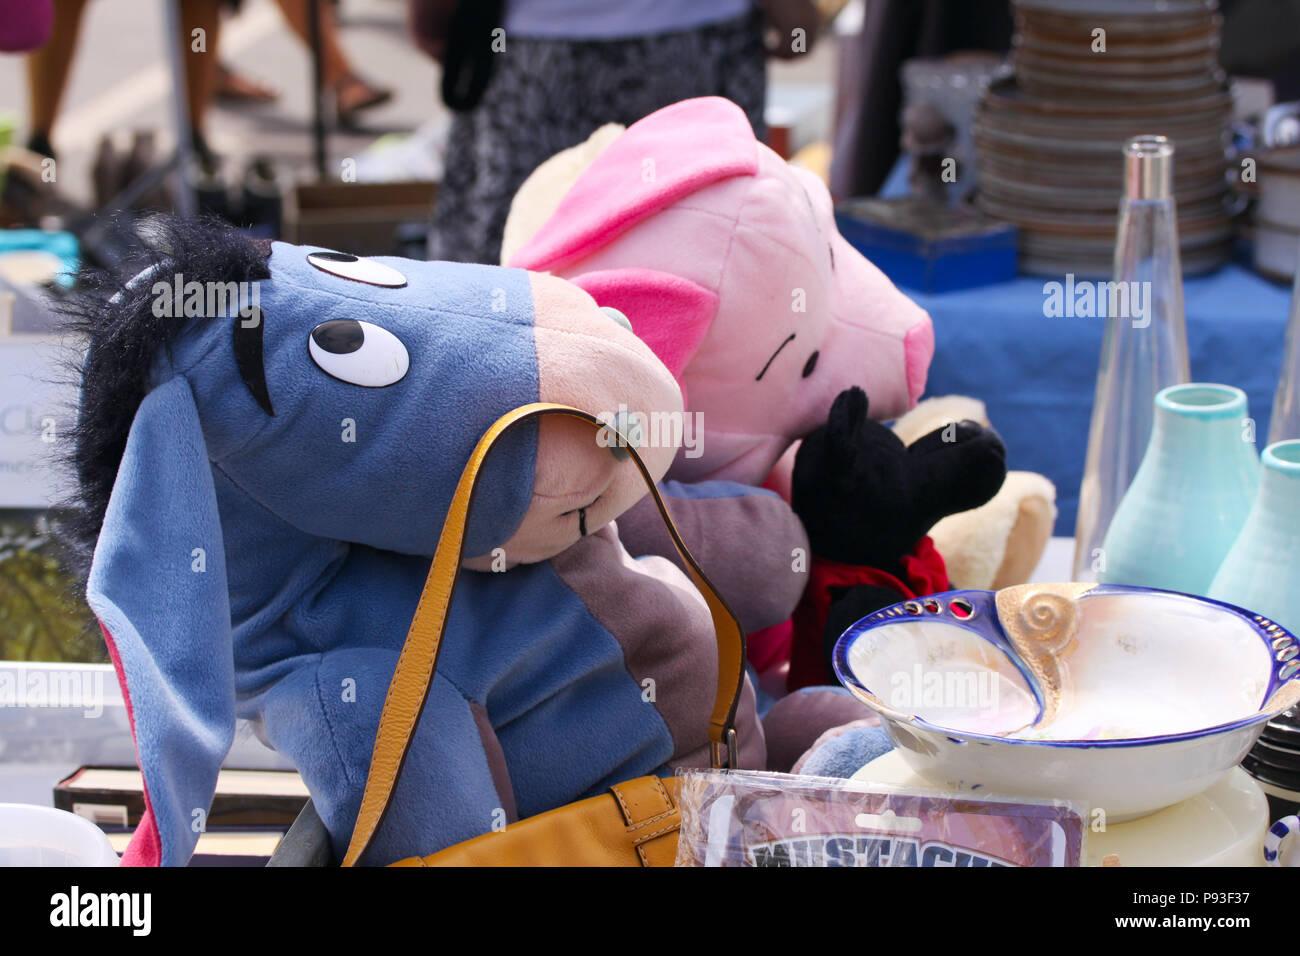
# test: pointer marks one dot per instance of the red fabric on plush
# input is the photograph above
(770, 646)
(145, 848)
(924, 573)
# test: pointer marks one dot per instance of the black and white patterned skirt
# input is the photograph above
(546, 95)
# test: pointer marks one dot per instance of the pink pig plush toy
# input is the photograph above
(727, 261)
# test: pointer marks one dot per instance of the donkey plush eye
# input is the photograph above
(358, 353)
(347, 266)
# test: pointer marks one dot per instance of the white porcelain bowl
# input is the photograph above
(44, 836)
(1129, 699)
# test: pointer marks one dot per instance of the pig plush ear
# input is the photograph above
(668, 313)
(670, 154)
(158, 586)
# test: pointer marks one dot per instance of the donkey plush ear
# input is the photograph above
(668, 313)
(158, 586)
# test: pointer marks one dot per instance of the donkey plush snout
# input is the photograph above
(583, 480)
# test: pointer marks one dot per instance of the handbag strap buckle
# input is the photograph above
(732, 758)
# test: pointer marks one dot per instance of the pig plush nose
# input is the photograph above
(918, 349)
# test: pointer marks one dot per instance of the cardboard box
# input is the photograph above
(360, 218)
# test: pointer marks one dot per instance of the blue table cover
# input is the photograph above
(1038, 375)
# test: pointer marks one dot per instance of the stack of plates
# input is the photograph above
(1049, 140)
(1277, 214)
(1275, 762)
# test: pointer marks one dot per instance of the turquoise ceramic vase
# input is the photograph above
(1191, 495)
(1262, 571)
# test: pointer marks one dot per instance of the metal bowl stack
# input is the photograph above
(1090, 74)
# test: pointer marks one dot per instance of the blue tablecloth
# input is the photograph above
(1037, 375)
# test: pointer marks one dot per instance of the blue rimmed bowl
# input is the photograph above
(1130, 699)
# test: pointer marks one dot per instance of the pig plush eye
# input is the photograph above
(347, 266)
(358, 353)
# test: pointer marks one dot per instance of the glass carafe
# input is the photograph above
(1144, 348)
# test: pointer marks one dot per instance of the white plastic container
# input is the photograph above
(44, 836)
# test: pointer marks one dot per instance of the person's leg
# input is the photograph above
(236, 87)
(201, 66)
(47, 72)
(352, 92)
(334, 62)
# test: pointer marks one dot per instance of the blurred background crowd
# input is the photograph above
(272, 95)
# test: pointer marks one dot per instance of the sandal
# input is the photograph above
(353, 94)
(235, 87)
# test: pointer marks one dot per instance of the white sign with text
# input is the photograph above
(35, 415)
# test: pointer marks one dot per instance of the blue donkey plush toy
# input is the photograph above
(263, 488)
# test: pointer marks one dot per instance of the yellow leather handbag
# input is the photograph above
(633, 824)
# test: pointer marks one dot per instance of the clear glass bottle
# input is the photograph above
(1285, 423)
(1145, 345)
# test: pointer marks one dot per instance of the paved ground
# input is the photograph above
(120, 82)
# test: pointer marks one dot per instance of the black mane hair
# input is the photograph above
(113, 321)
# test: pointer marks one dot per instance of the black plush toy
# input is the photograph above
(868, 502)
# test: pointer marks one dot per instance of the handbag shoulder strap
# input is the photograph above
(418, 660)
